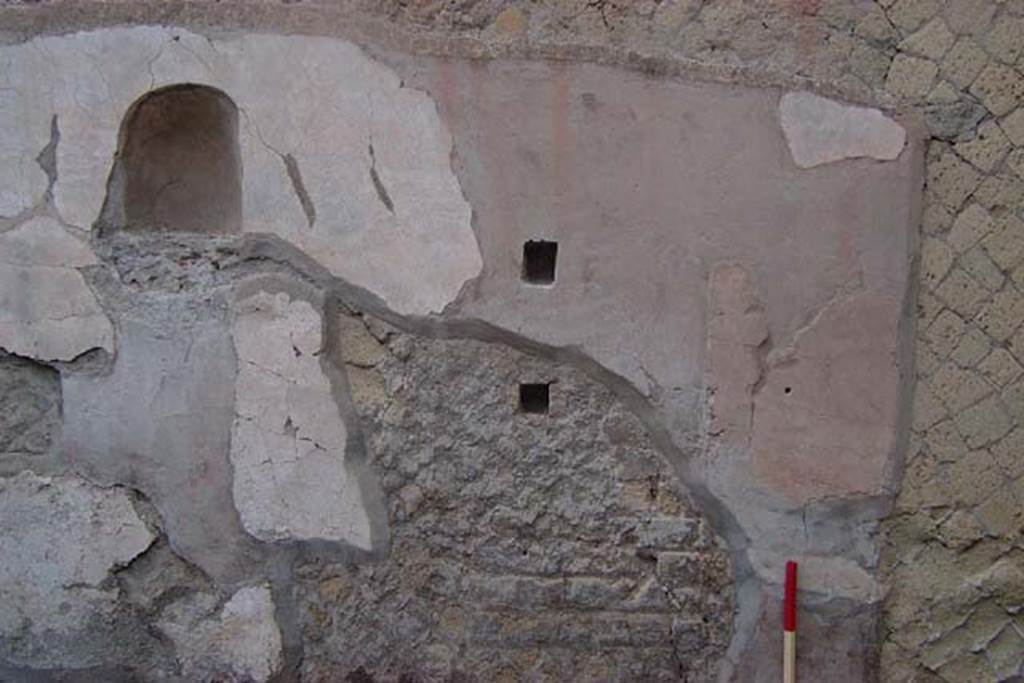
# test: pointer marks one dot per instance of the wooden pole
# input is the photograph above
(789, 626)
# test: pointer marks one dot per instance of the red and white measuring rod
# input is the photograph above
(789, 626)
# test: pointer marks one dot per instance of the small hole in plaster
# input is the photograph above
(534, 398)
(788, 390)
(539, 259)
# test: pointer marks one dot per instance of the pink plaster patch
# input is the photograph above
(824, 418)
(736, 329)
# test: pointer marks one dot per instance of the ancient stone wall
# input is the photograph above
(311, 436)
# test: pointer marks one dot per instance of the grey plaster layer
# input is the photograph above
(60, 538)
(160, 421)
(315, 109)
(523, 545)
(46, 309)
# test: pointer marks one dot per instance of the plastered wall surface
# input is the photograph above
(729, 340)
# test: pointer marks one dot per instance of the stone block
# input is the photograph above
(970, 227)
(1013, 126)
(909, 15)
(979, 266)
(968, 17)
(1000, 88)
(964, 61)
(958, 388)
(931, 41)
(972, 347)
(984, 422)
(1003, 315)
(936, 259)
(1004, 40)
(911, 77)
(961, 292)
(953, 180)
(1008, 453)
(943, 335)
(1000, 367)
(987, 149)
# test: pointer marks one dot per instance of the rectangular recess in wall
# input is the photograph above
(535, 398)
(539, 258)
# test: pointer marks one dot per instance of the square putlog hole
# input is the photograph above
(539, 262)
(535, 398)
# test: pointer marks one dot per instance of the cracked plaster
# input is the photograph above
(288, 441)
(47, 310)
(321, 103)
(67, 535)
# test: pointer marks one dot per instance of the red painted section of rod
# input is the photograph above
(789, 607)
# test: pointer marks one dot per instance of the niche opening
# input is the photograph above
(539, 259)
(534, 398)
(180, 162)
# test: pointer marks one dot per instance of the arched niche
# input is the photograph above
(179, 162)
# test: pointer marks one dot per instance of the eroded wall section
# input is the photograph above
(474, 369)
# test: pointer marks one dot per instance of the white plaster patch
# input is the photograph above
(819, 131)
(832, 577)
(288, 439)
(242, 640)
(46, 309)
(321, 100)
(59, 539)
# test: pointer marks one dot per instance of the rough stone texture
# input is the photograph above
(958, 516)
(29, 412)
(60, 539)
(401, 227)
(524, 546)
(819, 130)
(241, 640)
(46, 309)
(288, 440)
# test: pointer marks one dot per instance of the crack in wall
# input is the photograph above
(295, 175)
(47, 159)
(378, 185)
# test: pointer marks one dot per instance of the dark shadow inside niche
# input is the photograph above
(535, 398)
(179, 163)
(539, 258)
